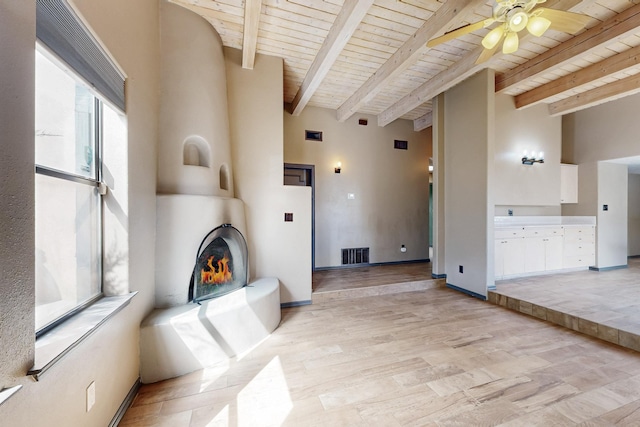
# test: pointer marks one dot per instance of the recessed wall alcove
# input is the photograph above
(196, 152)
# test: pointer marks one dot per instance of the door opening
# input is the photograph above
(304, 175)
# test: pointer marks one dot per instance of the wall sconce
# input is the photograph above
(338, 167)
(529, 159)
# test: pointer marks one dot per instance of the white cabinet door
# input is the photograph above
(499, 259)
(553, 253)
(534, 254)
(513, 250)
(568, 183)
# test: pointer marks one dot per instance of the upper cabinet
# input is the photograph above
(568, 183)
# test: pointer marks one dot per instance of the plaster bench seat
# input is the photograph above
(178, 340)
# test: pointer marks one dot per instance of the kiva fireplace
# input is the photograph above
(221, 264)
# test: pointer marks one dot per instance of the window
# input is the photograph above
(68, 140)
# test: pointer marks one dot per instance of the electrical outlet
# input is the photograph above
(403, 248)
(460, 269)
(91, 395)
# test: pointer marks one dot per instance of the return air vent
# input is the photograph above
(400, 145)
(313, 135)
(355, 256)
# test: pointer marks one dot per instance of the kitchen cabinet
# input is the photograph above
(509, 252)
(537, 249)
(543, 249)
(580, 247)
(568, 183)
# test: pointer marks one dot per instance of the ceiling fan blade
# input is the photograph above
(460, 32)
(487, 54)
(567, 22)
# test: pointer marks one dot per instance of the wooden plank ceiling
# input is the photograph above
(370, 57)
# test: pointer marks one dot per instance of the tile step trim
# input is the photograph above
(596, 330)
(368, 291)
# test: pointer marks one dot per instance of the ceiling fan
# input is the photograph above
(514, 16)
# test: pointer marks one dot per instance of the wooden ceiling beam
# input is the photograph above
(609, 92)
(619, 26)
(252, 9)
(450, 13)
(423, 122)
(614, 64)
(345, 24)
(442, 81)
(455, 74)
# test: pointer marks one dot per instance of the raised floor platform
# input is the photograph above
(178, 340)
(601, 304)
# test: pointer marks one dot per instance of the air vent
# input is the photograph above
(355, 256)
(313, 135)
(400, 145)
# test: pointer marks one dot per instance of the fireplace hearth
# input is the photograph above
(221, 264)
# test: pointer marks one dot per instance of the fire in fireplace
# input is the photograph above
(221, 264)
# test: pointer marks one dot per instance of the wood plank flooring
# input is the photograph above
(426, 358)
(357, 282)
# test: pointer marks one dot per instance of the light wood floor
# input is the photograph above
(428, 358)
(359, 277)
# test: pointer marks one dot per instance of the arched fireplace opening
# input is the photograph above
(221, 264)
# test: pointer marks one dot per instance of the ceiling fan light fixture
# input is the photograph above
(517, 20)
(493, 37)
(511, 42)
(538, 25)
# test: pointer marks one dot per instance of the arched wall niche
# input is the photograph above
(225, 178)
(196, 152)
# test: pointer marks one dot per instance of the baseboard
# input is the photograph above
(126, 403)
(373, 264)
(438, 276)
(466, 291)
(615, 267)
(294, 304)
(633, 256)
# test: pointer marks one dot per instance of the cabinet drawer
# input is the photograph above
(543, 231)
(506, 233)
(577, 261)
(579, 248)
(579, 231)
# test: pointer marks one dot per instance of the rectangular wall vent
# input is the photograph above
(355, 256)
(400, 145)
(313, 135)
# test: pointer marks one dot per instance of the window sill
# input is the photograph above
(53, 345)
(6, 393)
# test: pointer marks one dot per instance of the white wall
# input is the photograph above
(390, 187)
(605, 132)
(526, 189)
(601, 183)
(276, 248)
(110, 356)
(611, 230)
(469, 160)
(438, 265)
(633, 243)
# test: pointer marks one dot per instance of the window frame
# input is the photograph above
(95, 181)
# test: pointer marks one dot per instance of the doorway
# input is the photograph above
(304, 176)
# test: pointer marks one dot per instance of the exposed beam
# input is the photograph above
(614, 64)
(423, 122)
(453, 75)
(450, 13)
(619, 26)
(345, 24)
(252, 10)
(618, 89)
(444, 80)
